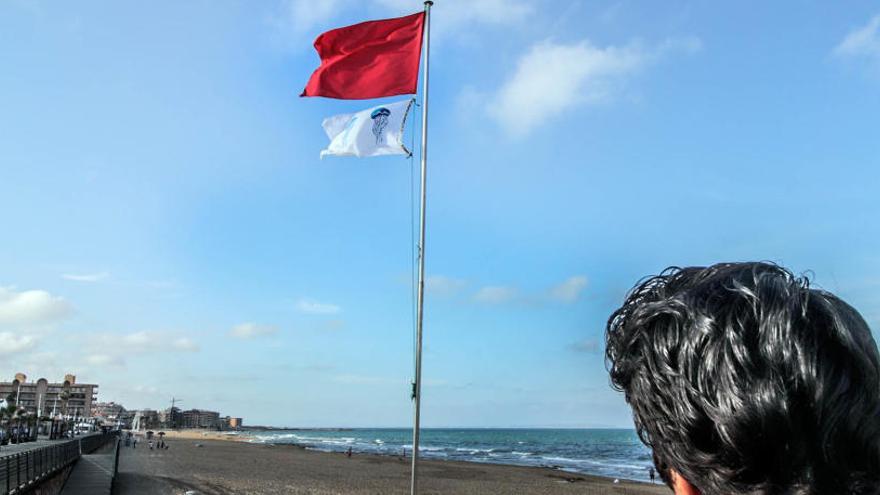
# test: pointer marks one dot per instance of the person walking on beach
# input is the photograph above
(651, 474)
(745, 380)
(349, 452)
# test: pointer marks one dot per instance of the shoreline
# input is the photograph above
(222, 467)
(247, 437)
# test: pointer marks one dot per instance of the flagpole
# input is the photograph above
(417, 386)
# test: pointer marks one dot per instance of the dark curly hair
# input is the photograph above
(745, 380)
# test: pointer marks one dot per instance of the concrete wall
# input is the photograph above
(53, 485)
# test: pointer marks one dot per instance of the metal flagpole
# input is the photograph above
(417, 386)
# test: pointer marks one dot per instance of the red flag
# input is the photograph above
(369, 60)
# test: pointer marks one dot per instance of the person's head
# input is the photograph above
(744, 380)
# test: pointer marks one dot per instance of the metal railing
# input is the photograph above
(115, 464)
(92, 443)
(23, 470)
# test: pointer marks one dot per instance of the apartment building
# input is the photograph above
(200, 418)
(41, 397)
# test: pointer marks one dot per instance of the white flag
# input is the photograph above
(373, 132)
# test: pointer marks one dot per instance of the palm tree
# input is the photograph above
(9, 409)
(65, 396)
(3, 415)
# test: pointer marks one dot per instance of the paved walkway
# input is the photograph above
(10, 449)
(92, 474)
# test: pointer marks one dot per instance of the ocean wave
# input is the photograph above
(603, 453)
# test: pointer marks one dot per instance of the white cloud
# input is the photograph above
(298, 19)
(496, 294)
(497, 12)
(144, 342)
(551, 78)
(443, 285)
(47, 362)
(566, 292)
(863, 42)
(145, 389)
(86, 277)
(185, 344)
(313, 307)
(305, 15)
(252, 330)
(31, 307)
(491, 12)
(105, 360)
(570, 290)
(140, 339)
(10, 343)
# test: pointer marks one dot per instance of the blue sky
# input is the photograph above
(170, 230)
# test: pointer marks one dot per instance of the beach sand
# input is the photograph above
(195, 434)
(211, 466)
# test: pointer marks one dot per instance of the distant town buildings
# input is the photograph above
(109, 410)
(200, 418)
(43, 398)
(171, 418)
(232, 423)
(175, 418)
(124, 419)
(112, 414)
(145, 419)
(70, 398)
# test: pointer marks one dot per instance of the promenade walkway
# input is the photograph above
(10, 449)
(93, 473)
(26, 466)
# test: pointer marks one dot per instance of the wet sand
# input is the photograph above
(220, 467)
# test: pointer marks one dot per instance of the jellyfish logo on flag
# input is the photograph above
(380, 121)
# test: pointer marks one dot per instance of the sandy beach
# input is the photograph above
(212, 465)
(201, 434)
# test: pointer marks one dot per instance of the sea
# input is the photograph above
(603, 452)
